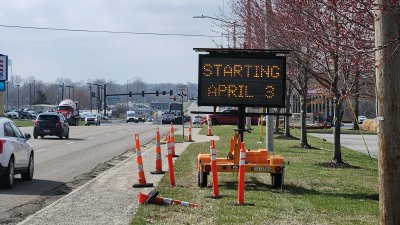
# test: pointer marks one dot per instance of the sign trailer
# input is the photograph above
(242, 78)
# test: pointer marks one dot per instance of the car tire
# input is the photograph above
(60, 136)
(42, 136)
(67, 136)
(28, 174)
(35, 136)
(214, 122)
(8, 177)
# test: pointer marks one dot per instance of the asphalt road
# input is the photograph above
(61, 164)
(355, 142)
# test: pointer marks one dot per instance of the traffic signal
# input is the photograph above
(130, 94)
(171, 92)
(164, 92)
(142, 93)
(157, 93)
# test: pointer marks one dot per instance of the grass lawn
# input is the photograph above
(23, 123)
(312, 193)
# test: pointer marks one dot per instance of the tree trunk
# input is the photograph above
(278, 110)
(356, 100)
(303, 102)
(387, 26)
(337, 120)
(287, 111)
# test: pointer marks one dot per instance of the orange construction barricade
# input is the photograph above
(158, 155)
(152, 198)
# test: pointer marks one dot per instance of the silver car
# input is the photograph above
(16, 154)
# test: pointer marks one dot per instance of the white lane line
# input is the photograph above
(41, 150)
(90, 138)
(69, 143)
(108, 134)
(120, 131)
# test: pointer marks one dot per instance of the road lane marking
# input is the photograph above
(108, 134)
(41, 150)
(90, 138)
(69, 143)
(120, 131)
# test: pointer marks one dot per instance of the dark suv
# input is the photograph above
(51, 123)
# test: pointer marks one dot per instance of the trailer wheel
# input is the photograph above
(276, 180)
(202, 179)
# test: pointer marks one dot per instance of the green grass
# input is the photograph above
(23, 123)
(312, 194)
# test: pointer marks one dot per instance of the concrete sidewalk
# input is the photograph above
(108, 198)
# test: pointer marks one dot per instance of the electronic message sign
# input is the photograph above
(242, 80)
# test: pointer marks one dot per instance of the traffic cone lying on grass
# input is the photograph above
(152, 198)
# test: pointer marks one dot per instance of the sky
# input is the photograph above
(81, 56)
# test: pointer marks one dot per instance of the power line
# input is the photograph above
(108, 31)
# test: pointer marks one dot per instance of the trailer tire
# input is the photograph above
(202, 179)
(276, 180)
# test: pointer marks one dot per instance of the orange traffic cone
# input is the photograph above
(172, 140)
(170, 163)
(209, 124)
(141, 177)
(152, 198)
(242, 162)
(158, 155)
(213, 154)
(190, 131)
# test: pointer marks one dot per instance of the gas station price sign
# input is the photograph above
(242, 80)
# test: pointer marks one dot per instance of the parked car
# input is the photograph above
(361, 119)
(197, 120)
(51, 123)
(229, 117)
(92, 119)
(10, 113)
(167, 117)
(25, 115)
(16, 153)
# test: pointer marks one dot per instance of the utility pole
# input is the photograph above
(387, 60)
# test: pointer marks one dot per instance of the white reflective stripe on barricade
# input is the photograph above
(242, 162)
(185, 204)
(140, 167)
(168, 201)
(158, 156)
(138, 153)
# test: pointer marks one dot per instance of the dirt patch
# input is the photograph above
(335, 165)
(283, 137)
(19, 213)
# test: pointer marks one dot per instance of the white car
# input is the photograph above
(16, 154)
(361, 119)
(11, 114)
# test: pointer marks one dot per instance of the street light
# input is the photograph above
(127, 91)
(62, 90)
(98, 97)
(18, 97)
(69, 91)
(90, 96)
(224, 21)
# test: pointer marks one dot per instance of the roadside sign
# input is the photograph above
(3, 67)
(242, 80)
(182, 93)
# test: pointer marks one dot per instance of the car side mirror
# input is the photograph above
(27, 136)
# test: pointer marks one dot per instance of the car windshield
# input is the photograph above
(48, 117)
(91, 115)
(131, 114)
(63, 107)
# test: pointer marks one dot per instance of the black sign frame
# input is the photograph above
(280, 103)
